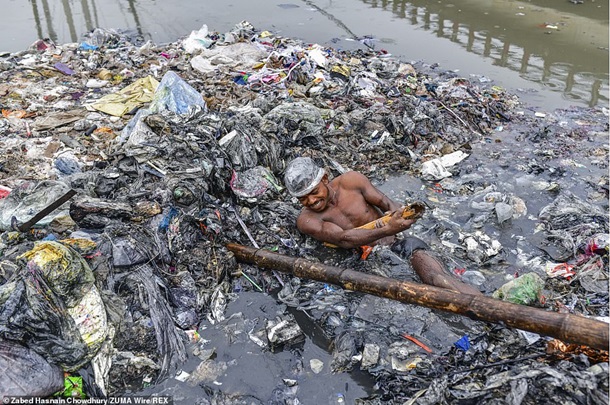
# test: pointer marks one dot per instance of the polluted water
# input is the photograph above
(128, 167)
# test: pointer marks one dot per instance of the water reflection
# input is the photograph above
(87, 9)
(568, 53)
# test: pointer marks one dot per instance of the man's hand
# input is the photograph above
(397, 223)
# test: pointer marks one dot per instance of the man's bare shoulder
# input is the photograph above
(352, 180)
(308, 220)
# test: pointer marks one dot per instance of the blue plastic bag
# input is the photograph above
(176, 95)
(463, 343)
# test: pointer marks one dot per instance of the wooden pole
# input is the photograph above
(566, 327)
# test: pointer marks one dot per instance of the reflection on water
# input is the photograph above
(45, 15)
(556, 43)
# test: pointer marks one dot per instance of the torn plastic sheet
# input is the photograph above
(29, 198)
(242, 53)
(137, 94)
(57, 119)
(170, 344)
(578, 218)
(240, 147)
(26, 373)
(301, 122)
(436, 169)
(33, 313)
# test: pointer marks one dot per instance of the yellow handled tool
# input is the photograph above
(412, 211)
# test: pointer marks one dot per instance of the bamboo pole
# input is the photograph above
(566, 327)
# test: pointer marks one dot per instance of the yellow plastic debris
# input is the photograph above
(135, 95)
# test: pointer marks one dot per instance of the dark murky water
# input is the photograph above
(256, 373)
(552, 53)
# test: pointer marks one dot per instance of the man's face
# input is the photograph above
(317, 199)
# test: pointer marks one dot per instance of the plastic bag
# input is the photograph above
(176, 95)
(253, 182)
(524, 290)
(64, 270)
(54, 307)
(31, 314)
(25, 373)
(28, 199)
(197, 40)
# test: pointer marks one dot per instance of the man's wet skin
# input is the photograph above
(334, 209)
(345, 208)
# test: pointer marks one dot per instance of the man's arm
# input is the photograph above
(371, 194)
(350, 238)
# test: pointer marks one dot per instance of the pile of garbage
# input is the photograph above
(127, 166)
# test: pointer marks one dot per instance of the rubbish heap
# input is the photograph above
(174, 150)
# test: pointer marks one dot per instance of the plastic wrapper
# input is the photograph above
(241, 149)
(524, 290)
(253, 182)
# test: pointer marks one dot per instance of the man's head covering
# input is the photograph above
(302, 175)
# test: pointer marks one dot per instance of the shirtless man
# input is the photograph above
(333, 209)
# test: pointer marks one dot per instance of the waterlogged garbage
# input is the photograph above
(283, 331)
(132, 282)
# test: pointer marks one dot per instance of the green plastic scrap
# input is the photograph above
(524, 290)
(73, 388)
(272, 181)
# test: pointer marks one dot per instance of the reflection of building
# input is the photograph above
(580, 73)
(48, 19)
(88, 9)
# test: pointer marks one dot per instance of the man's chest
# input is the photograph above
(351, 211)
